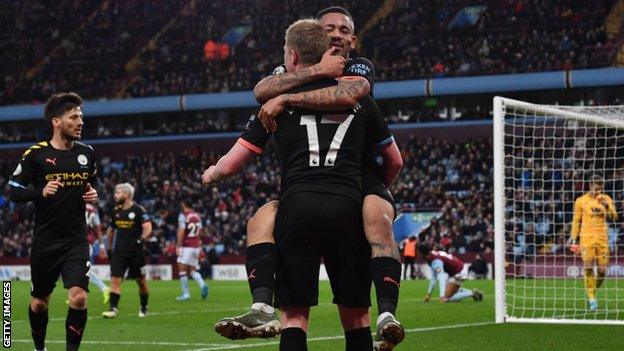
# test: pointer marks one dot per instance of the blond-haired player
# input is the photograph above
(589, 235)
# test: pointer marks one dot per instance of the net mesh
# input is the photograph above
(550, 153)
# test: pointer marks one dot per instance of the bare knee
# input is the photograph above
(39, 305)
(354, 318)
(295, 317)
(260, 226)
(378, 216)
(77, 298)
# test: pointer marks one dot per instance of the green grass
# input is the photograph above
(173, 325)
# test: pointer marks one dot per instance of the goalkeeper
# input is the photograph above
(589, 235)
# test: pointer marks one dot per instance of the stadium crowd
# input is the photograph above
(111, 54)
(453, 177)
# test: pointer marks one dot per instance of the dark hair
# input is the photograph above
(597, 179)
(334, 9)
(60, 103)
(424, 249)
(186, 203)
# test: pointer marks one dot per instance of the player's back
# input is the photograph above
(452, 264)
(192, 229)
(321, 151)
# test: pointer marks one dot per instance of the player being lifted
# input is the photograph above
(94, 236)
(355, 82)
(188, 249)
(319, 213)
(590, 224)
(130, 226)
(447, 270)
(61, 172)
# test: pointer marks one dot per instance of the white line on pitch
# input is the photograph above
(337, 337)
(144, 343)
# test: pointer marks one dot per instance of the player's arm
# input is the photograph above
(181, 229)
(392, 162)
(22, 178)
(146, 225)
(97, 226)
(611, 211)
(576, 225)
(251, 142)
(341, 96)
(331, 66)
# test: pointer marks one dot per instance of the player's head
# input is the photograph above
(63, 111)
(338, 24)
(123, 192)
(305, 44)
(596, 184)
(186, 206)
(423, 250)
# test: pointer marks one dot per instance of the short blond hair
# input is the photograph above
(127, 187)
(308, 38)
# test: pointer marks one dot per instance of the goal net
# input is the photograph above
(545, 158)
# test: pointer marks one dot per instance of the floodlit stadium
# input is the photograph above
(292, 175)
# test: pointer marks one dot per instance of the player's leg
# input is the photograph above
(261, 260)
(75, 274)
(356, 326)
(192, 263)
(261, 264)
(294, 328)
(137, 271)
(183, 270)
(118, 267)
(385, 265)
(93, 278)
(45, 268)
(602, 260)
(588, 255)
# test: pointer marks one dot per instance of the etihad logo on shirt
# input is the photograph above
(69, 178)
(124, 224)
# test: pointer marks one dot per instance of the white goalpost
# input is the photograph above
(544, 157)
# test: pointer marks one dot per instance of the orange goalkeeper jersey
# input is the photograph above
(590, 218)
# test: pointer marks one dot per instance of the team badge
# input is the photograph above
(131, 215)
(82, 159)
(18, 170)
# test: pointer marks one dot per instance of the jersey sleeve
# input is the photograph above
(112, 220)
(181, 221)
(377, 129)
(23, 174)
(360, 67)
(143, 215)
(254, 137)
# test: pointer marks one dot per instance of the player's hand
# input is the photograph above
(269, 111)
(603, 201)
(427, 298)
(52, 187)
(331, 66)
(90, 196)
(575, 248)
(207, 177)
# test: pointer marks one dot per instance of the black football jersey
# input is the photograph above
(320, 151)
(128, 224)
(60, 217)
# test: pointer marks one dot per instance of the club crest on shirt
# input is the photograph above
(18, 170)
(131, 215)
(82, 159)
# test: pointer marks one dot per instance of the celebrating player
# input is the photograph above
(94, 236)
(590, 223)
(61, 172)
(447, 270)
(356, 81)
(188, 249)
(319, 208)
(130, 225)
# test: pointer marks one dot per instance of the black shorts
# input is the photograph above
(311, 226)
(133, 262)
(373, 185)
(48, 260)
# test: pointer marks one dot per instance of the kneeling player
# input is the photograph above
(133, 226)
(447, 270)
